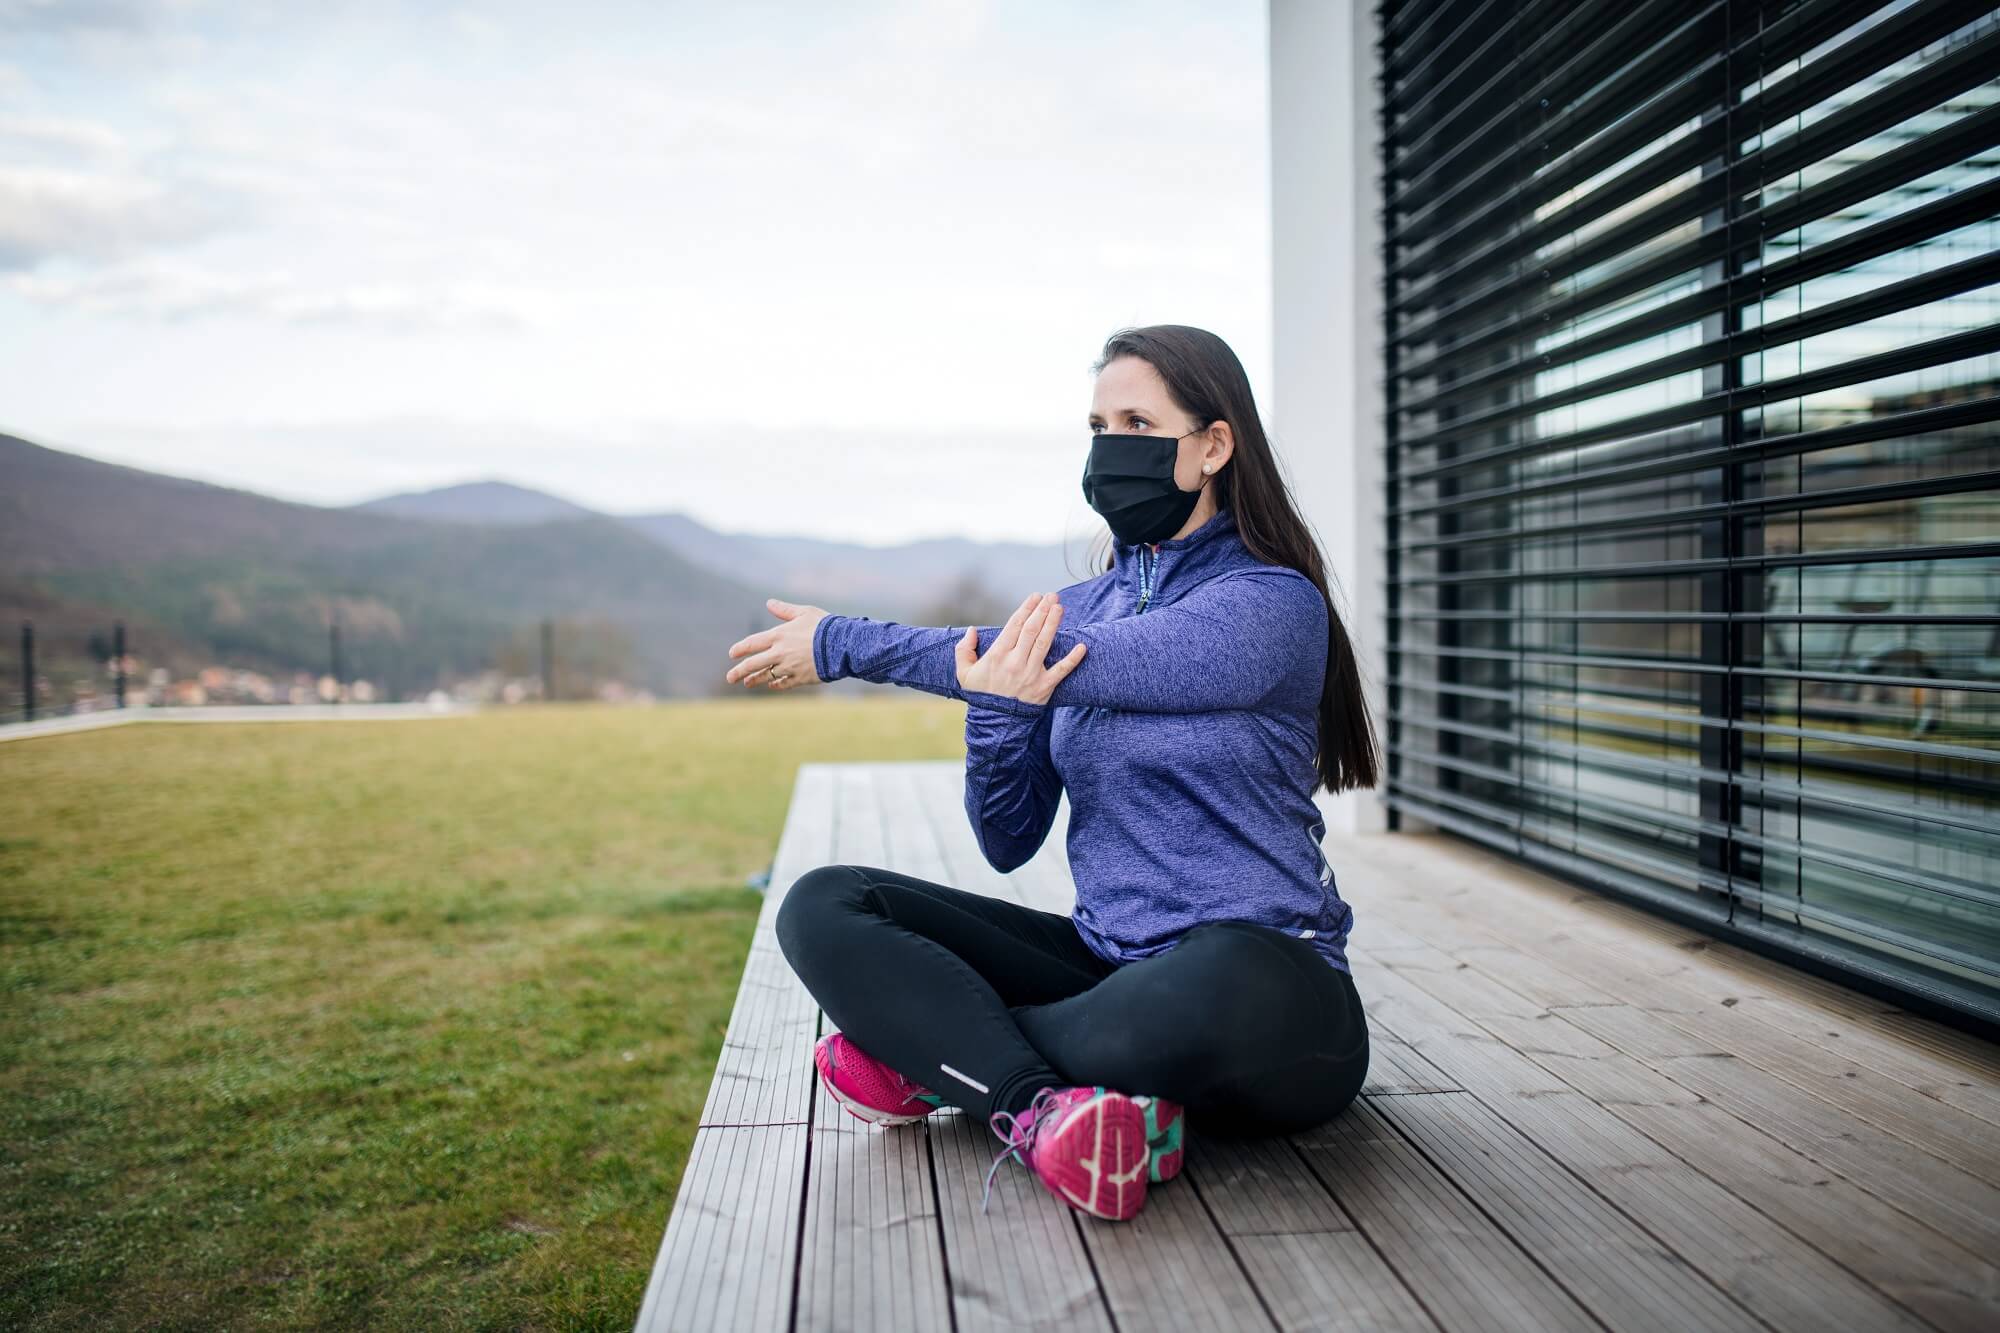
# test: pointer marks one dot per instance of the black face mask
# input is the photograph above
(1129, 479)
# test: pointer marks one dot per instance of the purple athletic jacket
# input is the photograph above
(1185, 739)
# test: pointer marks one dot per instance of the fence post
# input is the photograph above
(118, 652)
(28, 668)
(333, 653)
(548, 661)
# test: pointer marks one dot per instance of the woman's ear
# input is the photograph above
(1221, 445)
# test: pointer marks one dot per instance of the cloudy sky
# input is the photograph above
(783, 266)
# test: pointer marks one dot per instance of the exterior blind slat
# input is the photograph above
(1962, 141)
(1437, 118)
(1978, 271)
(1691, 340)
(1973, 412)
(1975, 203)
(1956, 347)
(1680, 91)
(1644, 664)
(1857, 555)
(1477, 158)
(1634, 523)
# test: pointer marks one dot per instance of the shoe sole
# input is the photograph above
(859, 1110)
(1098, 1160)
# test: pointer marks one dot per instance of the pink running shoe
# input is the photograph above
(1165, 1138)
(869, 1089)
(1086, 1145)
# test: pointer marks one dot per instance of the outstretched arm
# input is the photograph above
(1231, 643)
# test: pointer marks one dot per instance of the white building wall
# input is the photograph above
(1324, 404)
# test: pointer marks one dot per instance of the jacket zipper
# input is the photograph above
(1145, 577)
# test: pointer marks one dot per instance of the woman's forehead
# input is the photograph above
(1128, 385)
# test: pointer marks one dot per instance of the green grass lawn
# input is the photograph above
(383, 1024)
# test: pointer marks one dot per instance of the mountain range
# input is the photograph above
(435, 585)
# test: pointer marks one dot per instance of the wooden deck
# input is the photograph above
(1577, 1117)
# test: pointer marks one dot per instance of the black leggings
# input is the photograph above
(985, 1001)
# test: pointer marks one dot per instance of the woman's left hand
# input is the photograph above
(1013, 662)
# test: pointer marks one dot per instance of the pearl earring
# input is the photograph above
(1206, 468)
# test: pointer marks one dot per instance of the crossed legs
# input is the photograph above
(985, 1001)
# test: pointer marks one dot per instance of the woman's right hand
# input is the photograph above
(779, 658)
(1013, 662)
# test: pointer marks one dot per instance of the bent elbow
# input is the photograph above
(1005, 857)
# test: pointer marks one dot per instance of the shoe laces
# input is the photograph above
(1019, 1134)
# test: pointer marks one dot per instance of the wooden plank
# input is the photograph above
(732, 1240)
(729, 1252)
(1476, 1060)
(764, 1075)
(1330, 1282)
(1308, 1261)
(1957, 1204)
(1678, 1212)
(918, 837)
(858, 838)
(1019, 1265)
(1470, 1274)
(1939, 1279)
(1830, 1014)
(1947, 1284)
(872, 1255)
(1691, 998)
(1957, 1082)
(1932, 1191)
(1260, 1187)
(1620, 1271)
(1935, 1275)
(1022, 1263)
(808, 837)
(760, 1077)
(1170, 1266)
(1951, 1051)
(1395, 1070)
(1775, 1274)
(1957, 1100)
(1755, 999)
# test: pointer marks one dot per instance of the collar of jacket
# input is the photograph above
(1210, 549)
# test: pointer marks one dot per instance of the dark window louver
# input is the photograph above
(1692, 382)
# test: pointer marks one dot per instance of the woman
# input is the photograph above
(1202, 691)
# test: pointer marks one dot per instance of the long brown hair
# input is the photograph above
(1205, 380)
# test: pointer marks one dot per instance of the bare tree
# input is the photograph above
(589, 651)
